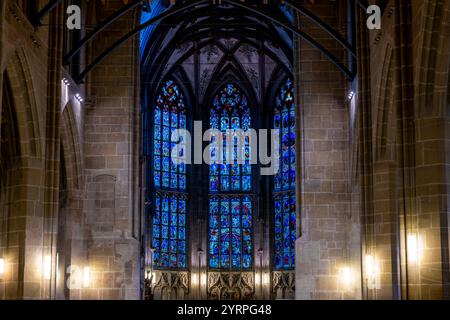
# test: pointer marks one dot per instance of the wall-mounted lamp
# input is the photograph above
(414, 248)
(2, 266)
(351, 94)
(372, 268)
(86, 277)
(47, 271)
(346, 276)
(195, 279)
(79, 98)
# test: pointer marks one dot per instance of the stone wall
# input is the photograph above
(111, 168)
(327, 231)
(404, 173)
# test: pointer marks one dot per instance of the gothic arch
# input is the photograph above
(433, 58)
(276, 79)
(178, 74)
(23, 94)
(231, 72)
(72, 149)
(10, 148)
(385, 107)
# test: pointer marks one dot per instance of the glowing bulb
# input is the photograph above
(369, 265)
(2, 266)
(346, 276)
(351, 95)
(414, 248)
(195, 279)
(86, 277)
(373, 272)
(47, 267)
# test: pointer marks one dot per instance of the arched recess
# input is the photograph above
(23, 178)
(11, 242)
(70, 139)
(23, 94)
(433, 59)
(386, 118)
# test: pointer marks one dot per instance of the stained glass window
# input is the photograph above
(230, 232)
(169, 232)
(169, 180)
(284, 180)
(170, 114)
(230, 209)
(230, 112)
(284, 120)
(285, 233)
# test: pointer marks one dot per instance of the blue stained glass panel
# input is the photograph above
(214, 261)
(230, 218)
(181, 246)
(285, 180)
(233, 222)
(181, 261)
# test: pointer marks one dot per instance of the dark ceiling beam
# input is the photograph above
(124, 38)
(336, 35)
(101, 26)
(37, 21)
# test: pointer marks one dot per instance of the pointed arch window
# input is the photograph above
(169, 180)
(230, 204)
(284, 180)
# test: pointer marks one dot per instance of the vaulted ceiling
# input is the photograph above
(218, 40)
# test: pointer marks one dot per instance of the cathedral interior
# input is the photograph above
(98, 201)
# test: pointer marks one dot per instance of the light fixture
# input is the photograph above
(351, 94)
(47, 267)
(195, 279)
(78, 97)
(372, 267)
(2, 266)
(346, 276)
(66, 82)
(413, 248)
(86, 277)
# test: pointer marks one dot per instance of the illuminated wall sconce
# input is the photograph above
(195, 279)
(351, 94)
(372, 272)
(2, 267)
(79, 98)
(346, 277)
(86, 277)
(414, 248)
(47, 271)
